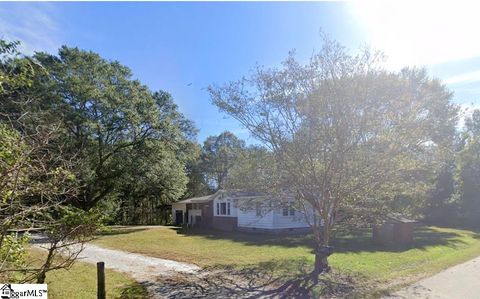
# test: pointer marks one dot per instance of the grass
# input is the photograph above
(208, 248)
(80, 282)
(434, 249)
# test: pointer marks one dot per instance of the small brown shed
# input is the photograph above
(395, 230)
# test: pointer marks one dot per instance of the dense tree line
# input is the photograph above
(455, 197)
(130, 151)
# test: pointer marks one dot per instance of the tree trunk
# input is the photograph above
(322, 250)
(321, 260)
(321, 263)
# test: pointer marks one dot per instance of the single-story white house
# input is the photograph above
(235, 210)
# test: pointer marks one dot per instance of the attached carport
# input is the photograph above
(192, 211)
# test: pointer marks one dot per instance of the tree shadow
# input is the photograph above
(352, 240)
(120, 231)
(285, 279)
(258, 239)
(424, 237)
(134, 291)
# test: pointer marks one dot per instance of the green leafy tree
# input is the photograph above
(197, 182)
(345, 133)
(219, 153)
(253, 169)
(108, 120)
(441, 207)
(468, 172)
(156, 179)
(158, 172)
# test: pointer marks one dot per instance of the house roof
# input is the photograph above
(229, 193)
(201, 199)
(238, 193)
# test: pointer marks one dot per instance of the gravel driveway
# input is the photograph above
(138, 266)
(144, 269)
(461, 281)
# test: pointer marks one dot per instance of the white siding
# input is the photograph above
(249, 218)
(296, 221)
(270, 219)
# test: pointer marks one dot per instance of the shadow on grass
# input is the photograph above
(134, 291)
(284, 279)
(258, 239)
(359, 240)
(120, 231)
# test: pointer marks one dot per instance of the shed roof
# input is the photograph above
(395, 217)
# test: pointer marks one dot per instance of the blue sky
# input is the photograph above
(184, 47)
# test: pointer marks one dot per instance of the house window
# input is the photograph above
(288, 211)
(223, 208)
(259, 210)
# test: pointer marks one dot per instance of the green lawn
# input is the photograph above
(80, 282)
(434, 249)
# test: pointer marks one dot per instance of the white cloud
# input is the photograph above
(464, 78)
(420, 32)
(34, 24)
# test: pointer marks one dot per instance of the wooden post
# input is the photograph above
(100, 280)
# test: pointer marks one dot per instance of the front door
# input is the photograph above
(178, 218)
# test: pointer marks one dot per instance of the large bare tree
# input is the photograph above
(345, 134)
